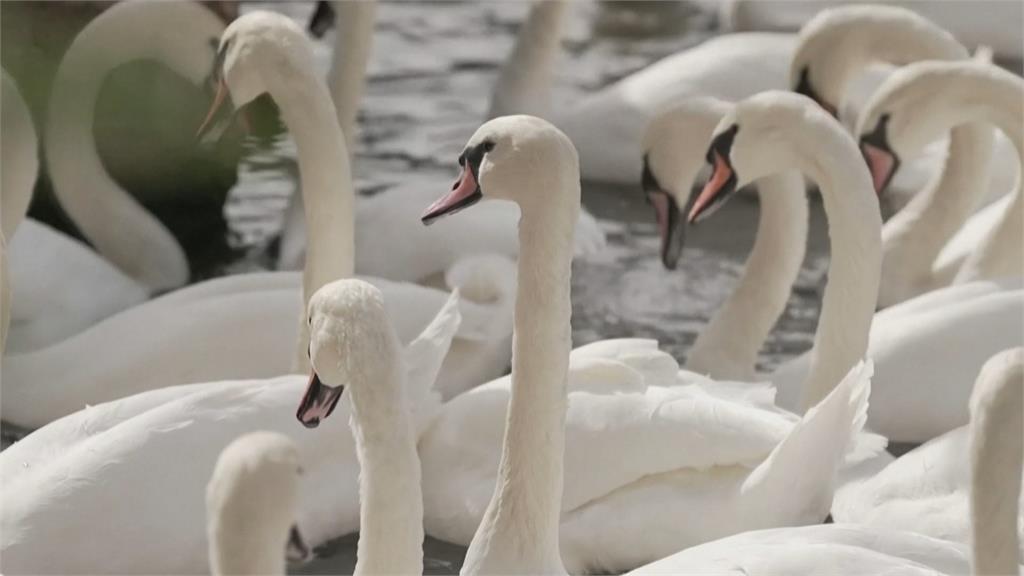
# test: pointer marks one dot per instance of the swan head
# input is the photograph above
(351, 342)
(518, 158)
(254, 49)
(674, 147)
(762, 135)
(915, 107)
(251, 503)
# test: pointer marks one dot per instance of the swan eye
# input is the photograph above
(488, 146)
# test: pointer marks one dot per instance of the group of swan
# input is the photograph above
(698, 458)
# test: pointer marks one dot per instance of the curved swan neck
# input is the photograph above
(325, 178)
(233, 553)
(519, 531)
(831, 159)
(20, 158)
(727, 347)
(524, 83)
(913, 238)
(139, 244)
(997, 444)
(851, 38)
(999, 252)
(353, 43)
(390, 497)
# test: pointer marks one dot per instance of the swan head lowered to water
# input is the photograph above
(904, 116)
(260, 48)
(673, 157)
(351, 340)
(251, 503)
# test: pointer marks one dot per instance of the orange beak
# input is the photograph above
(218, 101)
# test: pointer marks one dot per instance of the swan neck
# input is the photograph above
(519, 530)
(325, 179)
(142, 247)
(524, 83)
(998, 254)
(727, 347)
(353, 43)
(234, 551)
(390, 497)
(855, 229)
(997, 445)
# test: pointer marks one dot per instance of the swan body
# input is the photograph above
(729, 67)
(612, 397)
(409, 253)
(81, 472)
(995, 448)
(926, 350)
(835, 46)
(922, 100)
(61, 287)
(249, 328)
(251, 501)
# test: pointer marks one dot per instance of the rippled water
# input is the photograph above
(430, 80)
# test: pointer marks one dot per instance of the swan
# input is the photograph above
(994, 443)
(729, 67)
(926, 490)
(362, 360)
(251, 501)
(674, 147)
(922, 100)
(95, 470)
(931, 338)
(248, 326)
(177, 34)
(601, 402)
(62, 286)
(406, 253)
(834, 47)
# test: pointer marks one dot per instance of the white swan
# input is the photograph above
(407, 253)
(730, 67)
(674, 148)
(95, 470)
(251, 503)
(921, 101)
(362, 359)
(926, 490)
(932, 338)
(722, 444)
(995, 449)
(61, 286)
(247, 326)
(835, 46)
(176, 34)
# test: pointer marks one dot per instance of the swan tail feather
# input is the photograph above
(798, 479)
(424, 357)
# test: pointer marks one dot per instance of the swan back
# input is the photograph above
(20, 157)
(251, 504)
(838, 43)
(997, 448)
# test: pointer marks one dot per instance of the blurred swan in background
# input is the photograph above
(251, 326)
(408, 253)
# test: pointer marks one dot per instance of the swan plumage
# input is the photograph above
(80, 472)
